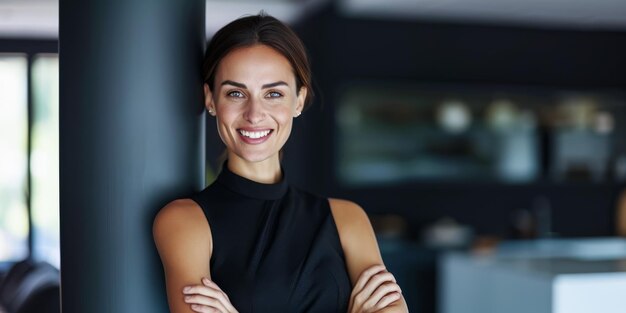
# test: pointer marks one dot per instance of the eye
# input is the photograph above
(235, 94)
(274, 94)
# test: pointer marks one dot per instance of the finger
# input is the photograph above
(206, 309)
(374, 283)
(357, 297)
(381, 292)
(208, 282)
(223, 296)
(365, 277)
(210, 297)
(201, 290)
(387, 300)
(203, 300)
(211, 283)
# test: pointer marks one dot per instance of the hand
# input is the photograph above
(374, 290)
(208, 297)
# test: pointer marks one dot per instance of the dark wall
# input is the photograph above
(344, 50)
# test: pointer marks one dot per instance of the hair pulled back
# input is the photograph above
(259, 29)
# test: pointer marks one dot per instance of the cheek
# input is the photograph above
(226, 115)
(284, 116)
(223, 120)
(287, 111)
(286, 122)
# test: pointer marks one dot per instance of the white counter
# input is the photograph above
(558, 276)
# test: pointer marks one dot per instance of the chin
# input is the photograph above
(255, 157)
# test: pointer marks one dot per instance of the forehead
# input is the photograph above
(255, 64)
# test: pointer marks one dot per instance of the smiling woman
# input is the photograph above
(254, 109)
(250, 241)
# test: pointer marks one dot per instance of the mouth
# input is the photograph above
(254, 136)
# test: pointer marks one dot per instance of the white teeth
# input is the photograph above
(254, 135)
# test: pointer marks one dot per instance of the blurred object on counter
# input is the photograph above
(581, 155)
(582, 139)
(621, 214)
(604, 122)
(501, 114)
(575, 111)
(484, 245)
(516, 138)
(389, 226)
(454, 116)
(447, 233)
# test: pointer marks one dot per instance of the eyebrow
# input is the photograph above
(240, 85)
(278, 83)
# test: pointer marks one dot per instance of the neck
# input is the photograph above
(266, 172)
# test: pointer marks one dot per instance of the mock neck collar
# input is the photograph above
(250, 188)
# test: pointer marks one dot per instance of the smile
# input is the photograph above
(255, 135)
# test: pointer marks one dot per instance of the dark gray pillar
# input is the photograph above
(131, 139)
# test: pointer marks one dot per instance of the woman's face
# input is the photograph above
(254, 100)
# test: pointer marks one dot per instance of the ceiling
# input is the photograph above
(220, 12)
(29, 18)
(571, 14)
(39, 18)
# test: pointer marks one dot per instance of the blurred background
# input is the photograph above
(486, 140)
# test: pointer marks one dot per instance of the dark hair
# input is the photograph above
(259, 29)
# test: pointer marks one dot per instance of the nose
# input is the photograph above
(254, 111)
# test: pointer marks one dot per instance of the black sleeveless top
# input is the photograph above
(275, 248)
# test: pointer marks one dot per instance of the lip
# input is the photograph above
(254, 141)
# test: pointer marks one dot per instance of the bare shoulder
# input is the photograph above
(343, 204)
(181, 215)
(356, 235)
(181, 223)
(348, 215)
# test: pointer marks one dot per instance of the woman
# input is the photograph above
(250, 241)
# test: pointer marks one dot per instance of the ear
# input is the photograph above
(208, 100)
(301, 98)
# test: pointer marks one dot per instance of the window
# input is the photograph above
(29, 151)
(44, 161)
(13, 156)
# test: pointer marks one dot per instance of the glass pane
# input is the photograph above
(45, 158)
(398, 133)
(407, 133)
(13, 157)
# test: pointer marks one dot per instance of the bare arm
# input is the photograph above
(183, 238)
(361, 250)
